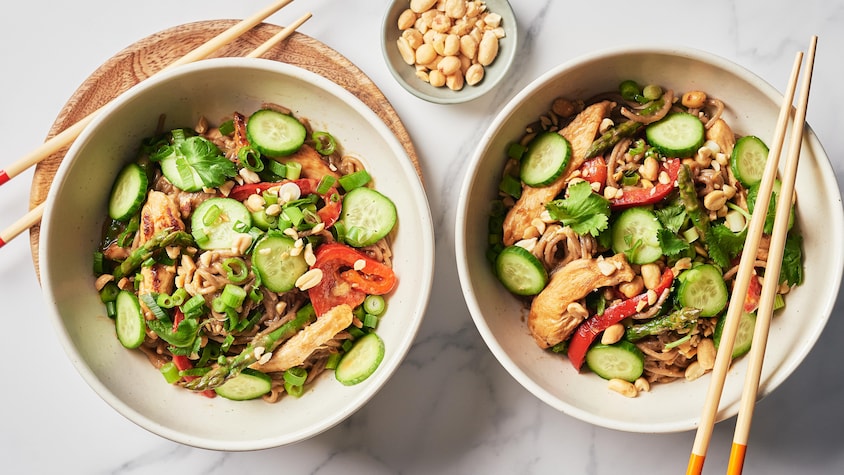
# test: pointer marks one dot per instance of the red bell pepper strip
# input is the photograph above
(638, 196)
(182, 362)
(754, 294)
(329, 213)
(594, 170)
(588, 330)
(341, 283)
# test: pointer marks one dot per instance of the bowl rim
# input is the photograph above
(468, 93)
(425, 247)
(461, 244)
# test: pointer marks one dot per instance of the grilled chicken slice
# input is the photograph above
(580, 132)
(299, 347)
(552, 316)
(313, 166)
(158, 213)
(721, 134)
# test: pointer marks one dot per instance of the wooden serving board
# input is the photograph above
(141, 60)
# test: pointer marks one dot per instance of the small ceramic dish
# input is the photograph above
(406, 74)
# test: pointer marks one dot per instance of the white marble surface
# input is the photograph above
(450, 408)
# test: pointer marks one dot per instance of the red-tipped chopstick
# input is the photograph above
(757, 221)
(69, 135)
(772, 275)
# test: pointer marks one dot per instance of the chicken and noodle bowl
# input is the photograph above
(246, 258)
(620, 222)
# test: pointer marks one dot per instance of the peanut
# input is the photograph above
(407, 53)
(694, 99)
(406, 19)
(449, 65)
(632, 288)
(420, 6)
(474, 74)
(455, 81)
(625, 388)
(650, 275)
(612, 334)
(488, 48)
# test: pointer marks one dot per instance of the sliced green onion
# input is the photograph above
(652, 92)
(241, 227)
(511, 185)
(227, 127)
(232, 320)
(227, 343)
(629, 180)
(218, 306)
(250, 159)
(339, 231)
(370, 321)
(333, 360)
(354, 180)
(296, 376)
(233, 295)
(325, 184)
(194, 307)
(294, 215)
(356, 332)
(779, 302)
(347, 345)
(277, 168)
(269, 197)
(236, 270)
(170, 372)
(151, 304)
(293, 390)
(516, 151)
(111, 309)
(374, 304)
(324, 143)
(128, 235)
(169, 301)
(294, 170)
(109, 292)
(194, 371)
(98, 262)
(691, 235)
(199, 235)
(212, 215)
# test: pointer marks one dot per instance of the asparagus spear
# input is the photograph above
(269, 341)
(158, 241)
(611, 137)
(681, 319)
(689, 196)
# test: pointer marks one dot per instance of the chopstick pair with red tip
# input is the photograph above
(69, 135)
(772, 272)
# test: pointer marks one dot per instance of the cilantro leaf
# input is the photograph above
(671, 244)
(207, 161)
(792, 260)
(583, 210)
(672, 217)
(723, 244)
(182, 337)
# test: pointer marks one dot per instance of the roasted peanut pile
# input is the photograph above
(450, 42)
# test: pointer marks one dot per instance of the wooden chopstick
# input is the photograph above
(35, 214)
(69, 135)
(772, 275)
(735, 308)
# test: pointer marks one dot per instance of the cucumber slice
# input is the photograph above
(275, 134)
(129, 321)
(520, 271)
(635, 233)
(744, 334)
(368, 216)
(703, 287)
(361, 361)
(128, 192)
(546, 158)
(748, 160)
(249, 384)
(278, 269)
(622, 360)
(213, 222)
(677, 135)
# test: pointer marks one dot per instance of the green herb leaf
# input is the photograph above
(672, 217)
(182, 337)
(671, 244)
(206, 160)
(583, 210)
(723, 245)
(792, 260)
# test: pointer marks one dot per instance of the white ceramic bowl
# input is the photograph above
(405, 74)
(77, 206)
(752, 107)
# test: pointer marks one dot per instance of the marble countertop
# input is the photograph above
(451, 408)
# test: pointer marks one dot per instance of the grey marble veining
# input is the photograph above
(450, 408)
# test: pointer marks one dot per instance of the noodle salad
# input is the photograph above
(620, 221)
(245, 259)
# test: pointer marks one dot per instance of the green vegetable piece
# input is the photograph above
(611, 137)
(622, 360)
(160, 240)
(361, 360)
(583, 210)
(678, 134)
(680, 320)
